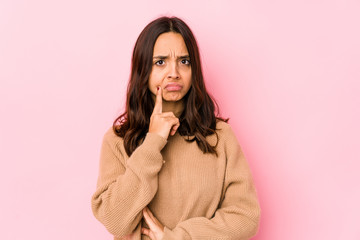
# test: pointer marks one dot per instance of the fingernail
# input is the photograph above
(158, 88)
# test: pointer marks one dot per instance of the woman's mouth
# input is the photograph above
(171, 87)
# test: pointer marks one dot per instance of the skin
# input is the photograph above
(171, 64)
(156, 229)
(171, 67)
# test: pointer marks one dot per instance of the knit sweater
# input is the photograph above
(194, 195)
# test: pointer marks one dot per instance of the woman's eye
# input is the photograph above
(160, 62)
(185, 61)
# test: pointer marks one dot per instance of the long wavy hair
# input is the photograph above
(198, 119)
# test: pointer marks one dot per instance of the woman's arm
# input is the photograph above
(123, 190)
(238, 215)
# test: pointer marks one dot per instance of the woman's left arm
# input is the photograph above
(238, 215)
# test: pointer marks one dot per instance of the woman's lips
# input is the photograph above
(173, 87)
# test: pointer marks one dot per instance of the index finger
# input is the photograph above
(158, 102)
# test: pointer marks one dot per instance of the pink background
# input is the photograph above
(287, 73)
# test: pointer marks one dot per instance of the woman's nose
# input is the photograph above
(173, 71)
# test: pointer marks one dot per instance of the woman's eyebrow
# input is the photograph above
(160, 57)
(164, 57)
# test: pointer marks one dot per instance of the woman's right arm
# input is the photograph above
(124, 189)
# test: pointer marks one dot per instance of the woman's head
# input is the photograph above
(171, 67)
(170, 40)
(143, 55)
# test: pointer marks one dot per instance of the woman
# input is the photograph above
(169, 168)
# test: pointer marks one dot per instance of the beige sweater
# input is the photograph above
(194, 195)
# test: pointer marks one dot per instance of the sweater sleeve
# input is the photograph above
(124, 189)
(238, 215)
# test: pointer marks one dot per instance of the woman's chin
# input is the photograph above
(172, 96)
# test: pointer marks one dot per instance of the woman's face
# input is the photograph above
(171, 69)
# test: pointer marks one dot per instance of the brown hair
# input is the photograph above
(198, 118)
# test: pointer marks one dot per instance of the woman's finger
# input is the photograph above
(164, 124)
(175, 125)
(158, 102)
(174, 129)
(151, 215)
(155, 220)
(156, 229)
(148, 219)
(145, 231)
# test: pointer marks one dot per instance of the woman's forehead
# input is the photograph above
(170, 44)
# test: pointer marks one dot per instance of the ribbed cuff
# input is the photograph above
(154, 141)
(147, 157)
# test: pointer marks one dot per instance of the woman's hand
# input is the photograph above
(156, 231)
(162, 123)
(129, 237)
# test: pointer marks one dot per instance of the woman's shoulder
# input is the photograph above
(222, 126)
(222, 131)
(114, 143)
(225, 132)
(111, 137)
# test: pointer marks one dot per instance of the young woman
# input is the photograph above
(169, 167)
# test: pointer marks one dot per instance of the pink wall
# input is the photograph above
(286, 72)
